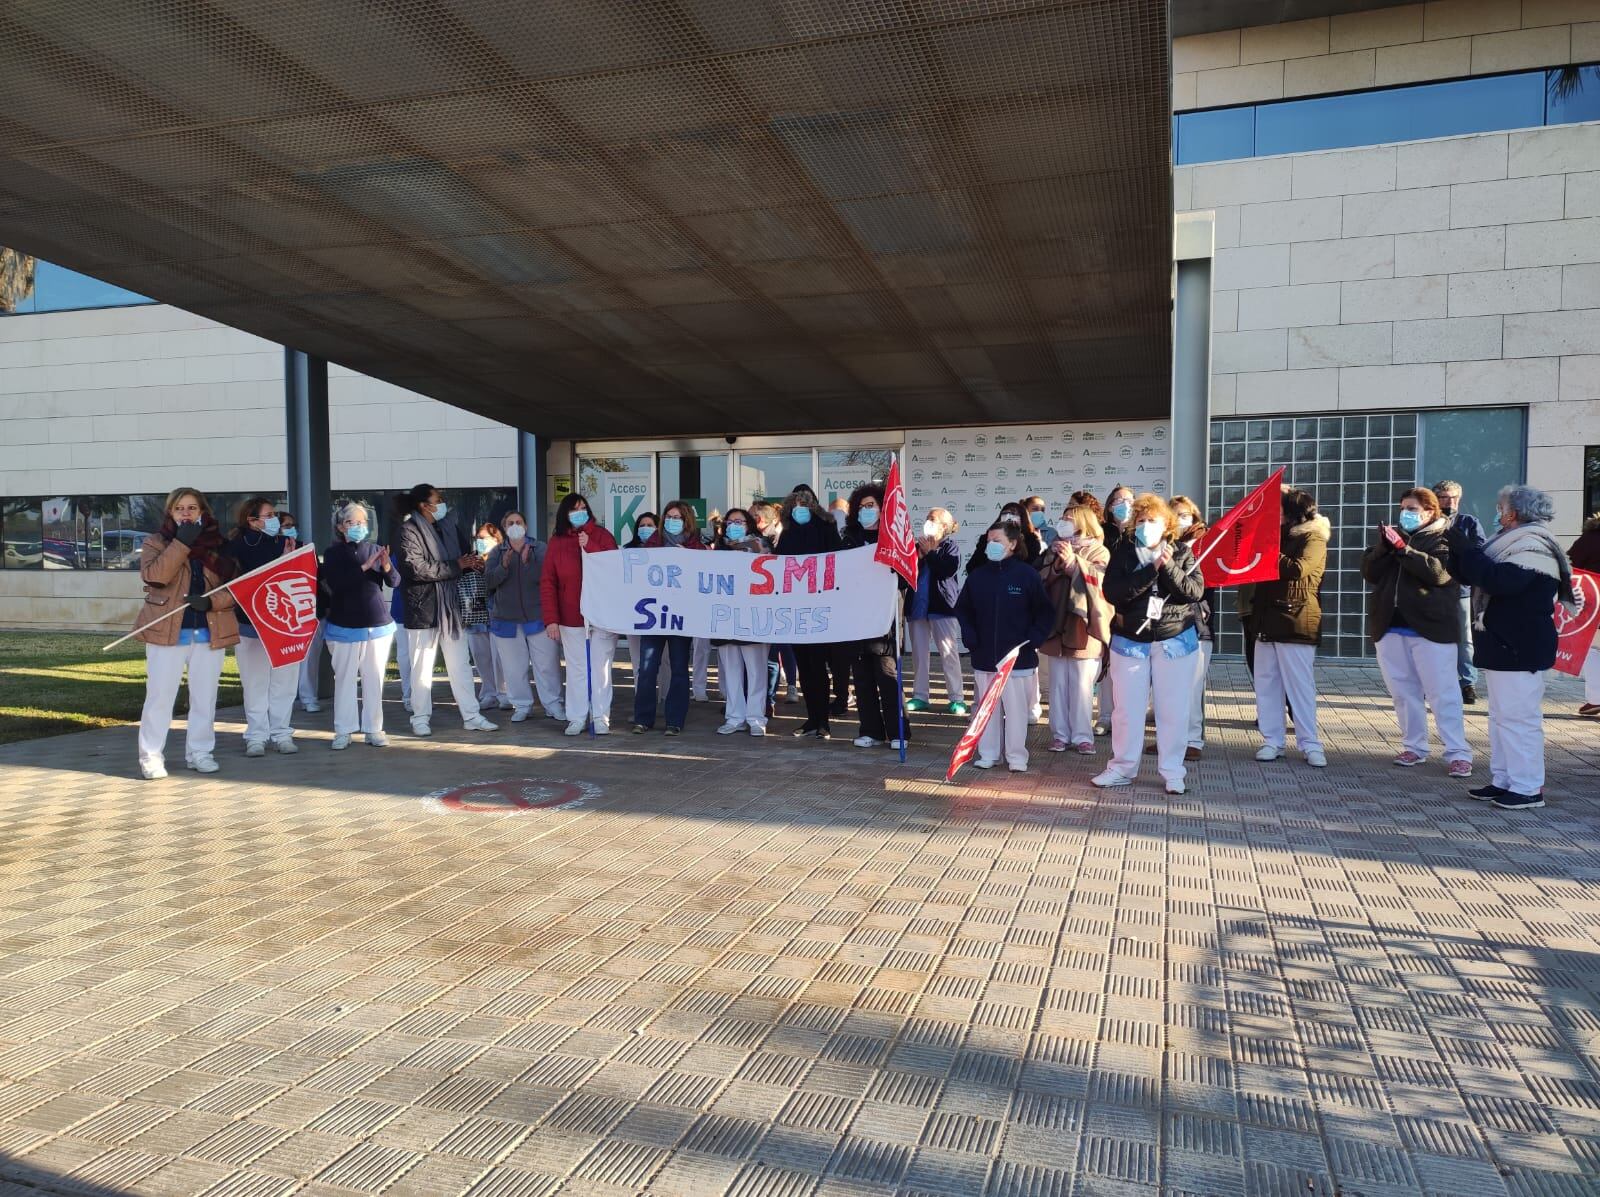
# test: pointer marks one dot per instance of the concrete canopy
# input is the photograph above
(610, 218)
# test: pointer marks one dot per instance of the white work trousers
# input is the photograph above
(310, 669)
(1286, 669)
(1421, 674)
(945, 632)
(1107, 699)
(402, 656)
(425, 644)
(581, 705)
(164, 668)
(1168, 684)
(483, 660)
(268, 692)
(1007, 729)
(358, 670)
(1591, 676)
(1516, 730)
(742, 674)
(1197, 696)
(700, 668)
(1072, 698)
(515, 656)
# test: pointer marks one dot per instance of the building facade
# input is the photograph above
(1404, 213)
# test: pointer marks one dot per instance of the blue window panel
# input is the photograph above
(1216, 135)
(57, 289)
(1574, 95)
(1401, 114)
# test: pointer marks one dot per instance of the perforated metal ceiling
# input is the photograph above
(617, 217)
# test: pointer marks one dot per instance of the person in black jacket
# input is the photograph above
(931, 612)
(1004, 605)
(878, 695)
(808, 529)
(1151, 582)
(269, 689)
(1414, 622)
(1516, 578)
(357, 627)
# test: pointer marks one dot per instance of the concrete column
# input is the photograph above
(533, 483)
(1191, 357)
(305, 422)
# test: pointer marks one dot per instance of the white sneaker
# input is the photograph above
(1316, 758)
(1108, 779)
(867, 742)
(1017, 768)
(1175, 787)
(311, 708)
(758, 729)
(575, 729)
(377, 740)
(602, 729)
(255, 748)
(152, 770)
(1268, 753)
(203, 764)
(558, 714)
(702, 698)
(519, 715)
(980, 763)
(419, 727)
(728, 728)
(286, 746)
(489, 704)
(479, 723)
(896, 745)
(340, 742)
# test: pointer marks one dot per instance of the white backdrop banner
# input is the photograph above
(762, 598)
(974, 471)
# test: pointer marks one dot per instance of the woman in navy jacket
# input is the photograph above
(1003, 605)
(1516, 577)
(268, 689)
(931, 611)
(357, 627)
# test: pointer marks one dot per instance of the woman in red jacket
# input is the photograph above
(561, 601)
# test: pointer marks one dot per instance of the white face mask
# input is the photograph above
(1185, 521)
(516, 532)
(1067, 530)
(930, 529)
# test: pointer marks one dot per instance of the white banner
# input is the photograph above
(761, 598)
(973, 472)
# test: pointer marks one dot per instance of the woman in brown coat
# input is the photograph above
(179, 564)
(1072, 569)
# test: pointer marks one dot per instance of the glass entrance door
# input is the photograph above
(618, 489)
(772, 474)
(700, 479)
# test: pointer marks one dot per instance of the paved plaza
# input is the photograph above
(763, 967)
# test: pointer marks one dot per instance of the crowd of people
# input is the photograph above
(1106, 600)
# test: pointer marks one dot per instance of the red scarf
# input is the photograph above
(208, 549)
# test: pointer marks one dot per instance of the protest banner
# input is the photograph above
(761, 598)
(1575, 631)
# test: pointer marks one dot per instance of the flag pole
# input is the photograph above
(178, 610)
(899, 680)
(588, 678)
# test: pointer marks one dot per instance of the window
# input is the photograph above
(1481, 449)
(21, 534)
(1215, 136)
(840, 471)
(1591, 481)
(57, 289)
(1572, 95)
(618, 489)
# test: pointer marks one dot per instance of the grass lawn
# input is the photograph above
(55, 682)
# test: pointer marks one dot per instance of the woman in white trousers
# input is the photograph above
(1152, 582)
(178, 565)
(588, 652)
(431, 562)
(269, 690)
(516, 623)
(477, 608)
(1287, 615)
(930, 616)
(1191, 527)
(741, 668)
(1413, 619)
(1073, 572)
(358, 627)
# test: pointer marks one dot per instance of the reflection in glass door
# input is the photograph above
(840, 471)
(618, 489)
(772, 475)
(700, 479)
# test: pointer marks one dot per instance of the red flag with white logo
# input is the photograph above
(1243, 545)
(897, 547)
(281, 600)
(1575, 630)
(967, 745)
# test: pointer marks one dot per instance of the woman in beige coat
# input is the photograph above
(178, 565)
(1072, 568)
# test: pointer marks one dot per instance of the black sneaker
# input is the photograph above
(803, 731)
(1487, 793)
(839, 708)
(1514, 801)
(1469, 694)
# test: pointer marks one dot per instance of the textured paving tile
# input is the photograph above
(749, 967)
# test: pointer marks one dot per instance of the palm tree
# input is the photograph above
(1562, 83)
(16, 278)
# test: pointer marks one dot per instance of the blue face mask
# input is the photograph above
(578, 518)
(673, 525)
(1410, 520)
(734, 533)
(868, 517)
(355, 533)
(270, 525)
(1149, 533)
(994, 550)
(1120, 510)
(442, 510)
(1038, 518)
(802, 515)
(645, 531)
(482, 546)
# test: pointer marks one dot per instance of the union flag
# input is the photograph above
(967, 745)
(1243, 545)
(281, 600)
(897, 547)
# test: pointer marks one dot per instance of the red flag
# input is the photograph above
(1243, 545)
(1575, 631)
(968, 743)
(897, 547)
(281, 600)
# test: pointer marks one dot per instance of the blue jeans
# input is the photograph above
(1465, 671)
(780, 662)
(651, 649)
